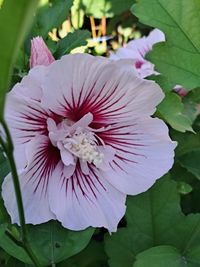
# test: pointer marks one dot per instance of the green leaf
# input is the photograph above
(154, 218)
(178, 58)
(188, 151)
(77, 14)
(107, 8)
(50, 242)
(4, 217)
(160, 256)
(149, 218)
(71, 41)
(163, 81)
(123, 247)
(50, 16)
(92, 255)
(15, 19)
(184, 188)
(191, 104)
(156, 205)
(4, 258)
(171, 110)
(4, 167)
(191, 162)
(15, 263)
(186, 142)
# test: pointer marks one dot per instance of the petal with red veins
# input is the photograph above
(42, 160)
(26, 119)
(36, 205)
(110, 90)
(85, 200)
(144, 153)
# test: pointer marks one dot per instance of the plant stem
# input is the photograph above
(103, 23)
(93, 27)
(8, 147)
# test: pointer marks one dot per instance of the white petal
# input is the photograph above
(67, 157)
(83, 122)
(31, 85)
(26, 119)
(36, 204)
(144, 45)
(68, 170)
(84, 167)
(144, 153)
(108, 156)
(42, 158)
(85, 200)
(137, 49)
(125, 52)
(155, 36)
(109, 90)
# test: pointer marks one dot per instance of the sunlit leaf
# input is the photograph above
(77, 14)
(51, 16)
(71, 41)
(178, 58)
(15, 19)
(107, 8)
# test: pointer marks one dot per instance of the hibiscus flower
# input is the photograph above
(84, 139)
(137, 49)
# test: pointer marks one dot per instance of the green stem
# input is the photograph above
(24, 233)
(2, 143)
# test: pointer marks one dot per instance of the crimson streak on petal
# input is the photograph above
(42, 162)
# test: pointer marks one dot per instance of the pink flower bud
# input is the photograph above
(40, 54)
(180, 90)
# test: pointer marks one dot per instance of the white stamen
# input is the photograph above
(81, 142)
(83, 146)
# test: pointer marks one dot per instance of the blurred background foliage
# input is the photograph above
(89, 26)
(165, 220)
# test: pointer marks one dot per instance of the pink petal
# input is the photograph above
(144, 153)
(36, 204)
(145, 44)
(180, 90)
(126, 53)
(67, 157)
(85, 200)
(109, 90)
(26, 119)
(30, 85)
(155, 36)
(42, 159)
(24, 114)
(137, 49)
(40, 54)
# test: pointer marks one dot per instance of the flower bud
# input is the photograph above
(40, 54)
